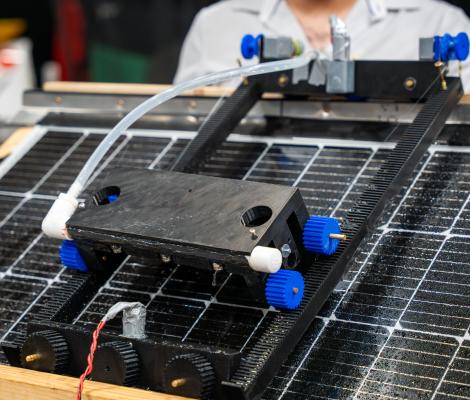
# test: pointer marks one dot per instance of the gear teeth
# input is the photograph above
(285, 289)
(316, 235)
(204, 370)
(129, 360)
(70, 256)
(57, 348)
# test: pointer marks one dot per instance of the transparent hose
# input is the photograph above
(148, 105)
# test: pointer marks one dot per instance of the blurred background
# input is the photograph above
(93, 40)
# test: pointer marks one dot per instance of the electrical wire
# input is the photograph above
(90, 357)
(111, 314)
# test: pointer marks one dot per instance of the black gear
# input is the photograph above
(45, 351)
(117, 363)
(189, 375)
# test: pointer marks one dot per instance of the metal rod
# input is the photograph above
(338, 236)
(176, 383)
(32, 357)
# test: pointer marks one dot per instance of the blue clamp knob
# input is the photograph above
(70, 256)
(251, 46)
(449, 48)
(285, 289)
(317, 235)
(112, 198)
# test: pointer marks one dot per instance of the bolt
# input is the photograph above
(295, 290)
(165, 259)
(283, 80)
(116, 249)
(176, 383)
(254, 236)
(81, 205)
(338, 236)
(32, 358)
(217, 267)
(410, 83)
(286, 251)
(58, 100)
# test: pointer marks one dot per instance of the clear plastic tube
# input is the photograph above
(150, 104)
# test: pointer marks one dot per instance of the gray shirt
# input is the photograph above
(380, 30)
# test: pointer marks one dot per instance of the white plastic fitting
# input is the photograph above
(61, 211)
(265, 259)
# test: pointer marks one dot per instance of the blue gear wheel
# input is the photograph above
(317, 233)
(285, 289)
(448, 47)
(70, 256)
(250, 46)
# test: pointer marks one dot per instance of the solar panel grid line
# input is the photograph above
(417, 177)
(22, 255)
(326, 320)
(69, 150)
(98, 293)
(308, 166)
(386, 231)
(24, 313)
(354, 182)
(108, 160)
(207, 305)
(397, 326)
(163, 153)
(461, 381)
(312, 346)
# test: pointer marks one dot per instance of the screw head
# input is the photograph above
(410, 83)
(283, 80)
(165, 259)
(286, 251)
(217, 267)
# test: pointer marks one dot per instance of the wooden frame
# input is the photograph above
(24, 384)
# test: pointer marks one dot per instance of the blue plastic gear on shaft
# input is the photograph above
(317, 233)
(250, 46)
(285, 289)
(70, 256)
(448, 47)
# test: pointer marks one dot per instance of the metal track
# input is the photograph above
(260, 365)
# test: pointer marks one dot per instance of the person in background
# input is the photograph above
(379, 29)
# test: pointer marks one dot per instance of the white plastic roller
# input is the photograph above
(265, 259)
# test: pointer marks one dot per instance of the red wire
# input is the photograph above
(91, 355)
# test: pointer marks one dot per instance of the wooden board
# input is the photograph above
(13, 140)
(129, 88)
(23, 384)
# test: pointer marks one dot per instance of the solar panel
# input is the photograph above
(396, 326)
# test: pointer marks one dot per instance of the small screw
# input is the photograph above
(116, 249)
(177, 383)
(283, 80)
(217, 267)
(32, 358)
(410, 83)
(286, 251)
(81, 205)
(253, 234)
(165, 259)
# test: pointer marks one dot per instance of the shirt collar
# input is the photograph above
(378, 9)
